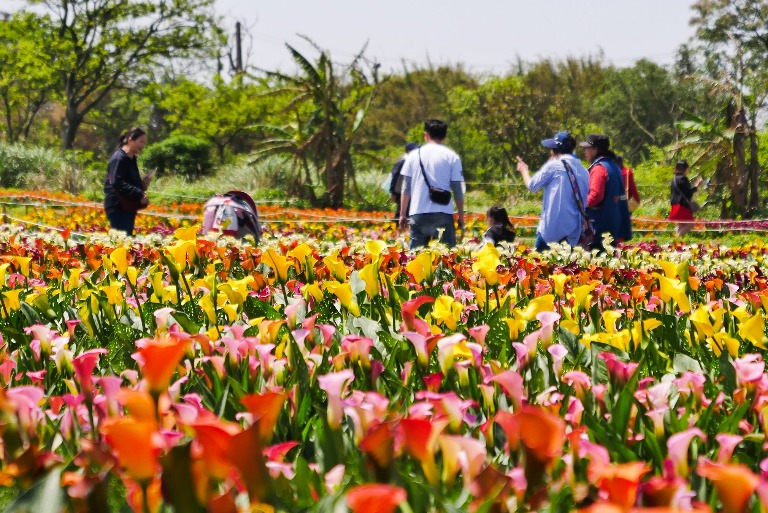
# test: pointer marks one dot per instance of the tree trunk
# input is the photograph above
(740, 172)
(754, 168)
(72, 121)
(336, 178)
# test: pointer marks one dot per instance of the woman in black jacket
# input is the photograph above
(124, 188)
(682, 196)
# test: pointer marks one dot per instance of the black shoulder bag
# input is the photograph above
(693, 206)
(439, 196)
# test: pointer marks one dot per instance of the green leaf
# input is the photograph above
(44, 496)
(177, 476)
(728, 373)
(683, 363)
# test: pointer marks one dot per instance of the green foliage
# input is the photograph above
(21, 166)
(183, 155)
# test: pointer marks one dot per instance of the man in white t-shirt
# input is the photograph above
(437, 166)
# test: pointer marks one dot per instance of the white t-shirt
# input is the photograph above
(442, 166)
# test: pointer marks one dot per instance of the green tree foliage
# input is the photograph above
(733, 40)
(325, 110)
(224, 114)
(180, 154)
(638, 106)
(101, 45)
(27, 79)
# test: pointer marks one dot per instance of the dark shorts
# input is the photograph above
(426, 227)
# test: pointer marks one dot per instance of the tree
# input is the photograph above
(27, 81)
(733, 35)
(225, 114)
(102, 45)
(326, 108)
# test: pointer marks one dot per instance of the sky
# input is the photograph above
(486, 36)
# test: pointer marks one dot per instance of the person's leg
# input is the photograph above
(683, 228)
(122, 221)
(540, 244)
(445, 221)
(420, 231)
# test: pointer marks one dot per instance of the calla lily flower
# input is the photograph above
(735, 484)
(447, 311)
(119, 257)
(545, 303)
(265, 408)
(421, 267)
(133, 441)
(375, 498)
(677, 448)
(83, 365)
(158, 360)
(278, 263)
(334, 384)
(420, 439)
(753, 330)
(410, 321)
(336, 266)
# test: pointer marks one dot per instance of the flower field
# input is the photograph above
(330, 370)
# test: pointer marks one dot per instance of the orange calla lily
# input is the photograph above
(265, 408)
(132, 440)
(735, 484)
(375, 498)
(158, 360)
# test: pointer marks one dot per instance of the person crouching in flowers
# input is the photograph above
(500, 229)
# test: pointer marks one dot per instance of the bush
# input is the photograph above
(184, 155)
(21, 164)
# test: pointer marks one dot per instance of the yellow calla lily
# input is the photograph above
(132, 274)
(114, 293)
(671, 288)
(278, 263)
(302, 254)
(343, 291)
(516, 325)
(187, 234)
(11, 299)
(421, 267)
(206, 304)
(370, 275)
(375, 248)
(753, 329)
(609, 319)
(23, 264)
(336, 266)
(545, 303)
(447, 311)
(582, 296)
(314, 290)
(701, 321)
(72, 282)
(669, 268)
(560, 280)
(119, 257)
(180, 252)
(723, 340)
(486, 263)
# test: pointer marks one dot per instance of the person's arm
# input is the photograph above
(458, 194)
(524, 171)
(123, 168)
(598, 177)
(405, 201)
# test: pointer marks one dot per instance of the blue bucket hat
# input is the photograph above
(562, 141)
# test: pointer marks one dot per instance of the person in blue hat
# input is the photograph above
(565, 183)
(396, 179)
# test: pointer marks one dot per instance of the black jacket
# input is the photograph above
(499, 233)
(395, 184)
(682, 191)
(123, 179)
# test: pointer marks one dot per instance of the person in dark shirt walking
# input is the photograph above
(396, 179)
(124, 189)
(682, 198)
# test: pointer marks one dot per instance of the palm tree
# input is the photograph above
(327, 107)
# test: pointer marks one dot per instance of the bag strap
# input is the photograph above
(575, 186)
(423, 173)
(682, 196)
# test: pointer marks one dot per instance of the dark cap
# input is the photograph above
(562, 141)
(681, 165)
(409, 147)
(599, 141)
